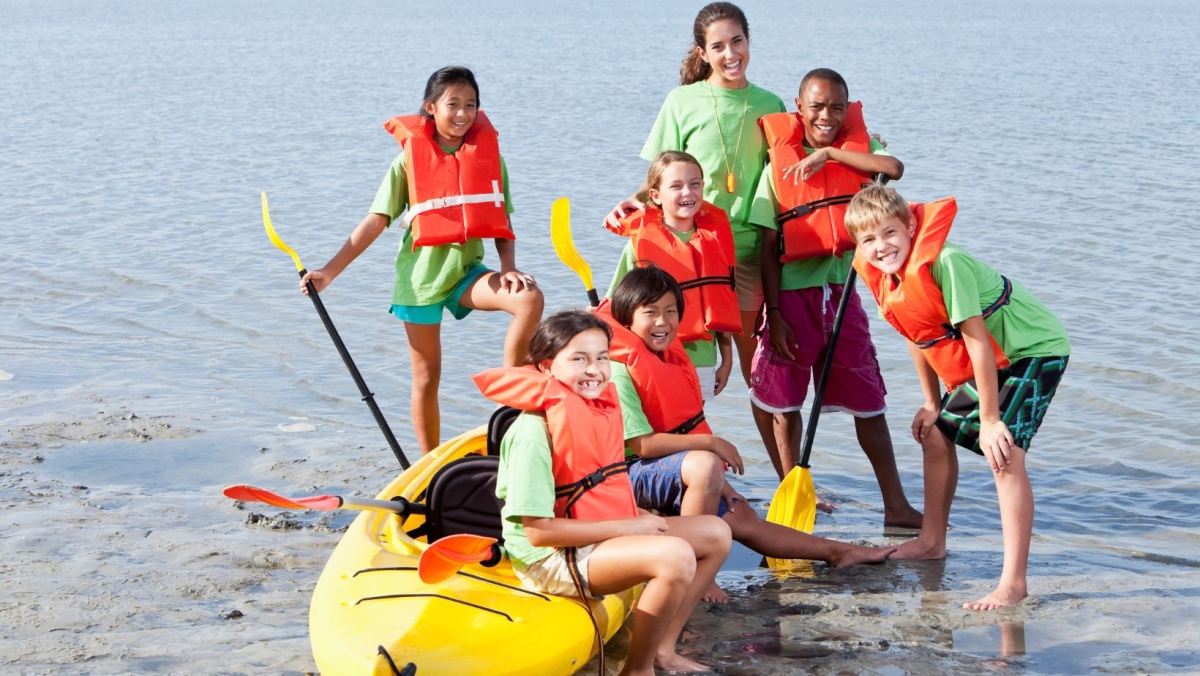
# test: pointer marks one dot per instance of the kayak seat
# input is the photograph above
(461, 498)
(498, 426)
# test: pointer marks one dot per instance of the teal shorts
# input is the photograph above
(432, 314)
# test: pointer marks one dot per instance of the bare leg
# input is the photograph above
(781, 542)
(876, 443)
(788, 430)
(525, 306)
(1016, 520)
(425, 351)
(703, 476)
(941, 480)
(746, 343)
(678, 568)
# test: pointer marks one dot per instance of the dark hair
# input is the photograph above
(554, 332)
(694, 69)
(641, 287)
(443, 79)
(824, 75)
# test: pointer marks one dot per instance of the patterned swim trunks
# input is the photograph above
(1026, 388)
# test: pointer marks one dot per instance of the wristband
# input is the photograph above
(772, 309)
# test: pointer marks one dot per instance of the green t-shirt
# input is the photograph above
(688, 122)
(525, 481)
(811, 272)
(703, 353)
(1023, 328)
(429, 274)
(632, 416)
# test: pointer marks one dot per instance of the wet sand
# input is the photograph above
(149, 569)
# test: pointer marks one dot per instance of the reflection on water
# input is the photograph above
(1005, 639)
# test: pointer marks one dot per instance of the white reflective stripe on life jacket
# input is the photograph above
(496, 196)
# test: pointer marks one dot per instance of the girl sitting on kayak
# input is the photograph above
(451, 186)
(676, 465)
(690, 238)
(570, 524)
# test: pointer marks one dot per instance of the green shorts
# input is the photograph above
(432, 314)
(1026, 388)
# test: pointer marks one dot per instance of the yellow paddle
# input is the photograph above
(564, 246)
(795, 501)
(367, 395)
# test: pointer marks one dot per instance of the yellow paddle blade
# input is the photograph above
(564, 246)
(794, 505)
(275, 238)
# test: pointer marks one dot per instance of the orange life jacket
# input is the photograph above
(703, 266)
(912, 301)
(452, 197)
(667, 384)
(812, 214)
(587, 440)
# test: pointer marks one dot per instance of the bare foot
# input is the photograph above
(851, 555)
(902, 518)
(715, 594)
(827, 507)
(919, 549)
(997, 599)
(673, 663)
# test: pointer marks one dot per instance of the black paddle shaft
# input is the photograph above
(811, 430)
(367, 395)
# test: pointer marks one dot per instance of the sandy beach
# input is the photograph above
(120, 579)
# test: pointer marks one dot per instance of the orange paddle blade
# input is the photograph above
(442, 559)
(253, 494)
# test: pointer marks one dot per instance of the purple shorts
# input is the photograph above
(855, 385)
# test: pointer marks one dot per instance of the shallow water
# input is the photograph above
(137, 279)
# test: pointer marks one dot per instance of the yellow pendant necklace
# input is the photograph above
(729, 180)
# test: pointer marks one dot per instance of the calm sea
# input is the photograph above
(136, 137)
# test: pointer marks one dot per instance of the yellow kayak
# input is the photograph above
(370, 611)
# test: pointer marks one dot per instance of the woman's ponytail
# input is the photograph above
(694, 68)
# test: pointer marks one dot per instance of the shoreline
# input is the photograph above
(176, 578)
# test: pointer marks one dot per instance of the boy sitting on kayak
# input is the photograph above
(998, 350)
(676, 464)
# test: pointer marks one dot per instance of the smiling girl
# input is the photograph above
(567, 533)
(690, 239)
(449, 186)
(714, 116)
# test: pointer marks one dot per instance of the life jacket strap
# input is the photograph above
(688, 425)
(729, 279)
(953, 333)
(496, 197)
(575, 490)
(809, 207)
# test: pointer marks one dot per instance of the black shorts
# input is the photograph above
(1026, 388)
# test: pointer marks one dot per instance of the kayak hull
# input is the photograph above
(369, 601)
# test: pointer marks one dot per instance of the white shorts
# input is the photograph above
(708, 381)
(552, 575)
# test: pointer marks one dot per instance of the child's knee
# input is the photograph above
(675, 560)
(703, 470)
(531, 301)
